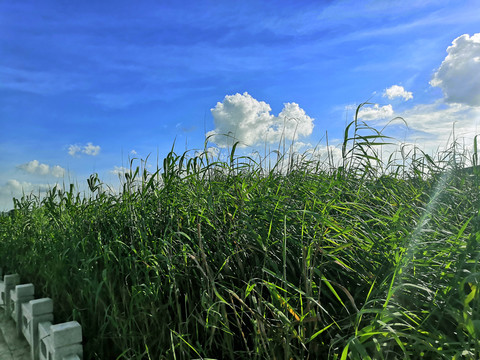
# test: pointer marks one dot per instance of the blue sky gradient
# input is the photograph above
(84, 85)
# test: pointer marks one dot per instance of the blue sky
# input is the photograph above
(86, 85)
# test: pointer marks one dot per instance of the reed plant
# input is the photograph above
(229, 259)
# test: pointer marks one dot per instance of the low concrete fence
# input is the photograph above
(34, 321)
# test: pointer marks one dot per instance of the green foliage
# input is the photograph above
(226, 259)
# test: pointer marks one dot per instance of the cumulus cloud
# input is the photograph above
(375, 112)
(459, 74)
(73, 149)
(89, 149)
(396, 91)
(455, 118)
(249, 121)
(35, 167)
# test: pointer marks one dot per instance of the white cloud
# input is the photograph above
(459, 74)
(14, 186)
(57, 171)
(455, 118)
(119, 170)
(35, 167)
(326, 154)
(458, 113)
(375, 112)
(397, 91)
(211, 151)
(431, 127)
(73, 149)
(15, 189)
(245, 119)
(89, 149)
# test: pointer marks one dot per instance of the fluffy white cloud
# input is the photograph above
(242, 118)
(396, 91)
(375, 112)
(89, 149)
(459, 74)
(73, 149)
(35, 167)
(453, 119)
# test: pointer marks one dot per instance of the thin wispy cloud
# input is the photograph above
(38, 82)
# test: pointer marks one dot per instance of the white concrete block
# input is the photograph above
(33, 313)
(67, 333)
(21, 294)
(60, 341)
(24, 290)
(9, 282)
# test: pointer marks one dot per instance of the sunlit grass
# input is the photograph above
(231, 259)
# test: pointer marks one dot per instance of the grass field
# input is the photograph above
(241, 259)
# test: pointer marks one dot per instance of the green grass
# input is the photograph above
(233, 259)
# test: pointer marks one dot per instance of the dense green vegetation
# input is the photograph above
(238, 259)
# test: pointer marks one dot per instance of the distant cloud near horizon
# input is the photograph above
(396, 91)
(459, 74)
(247, 120)
(35, 167)
(89, 149)
(15, 188)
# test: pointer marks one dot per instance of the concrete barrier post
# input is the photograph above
(60, 341)
(9, 282)
(21, 294)
(34, 312)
